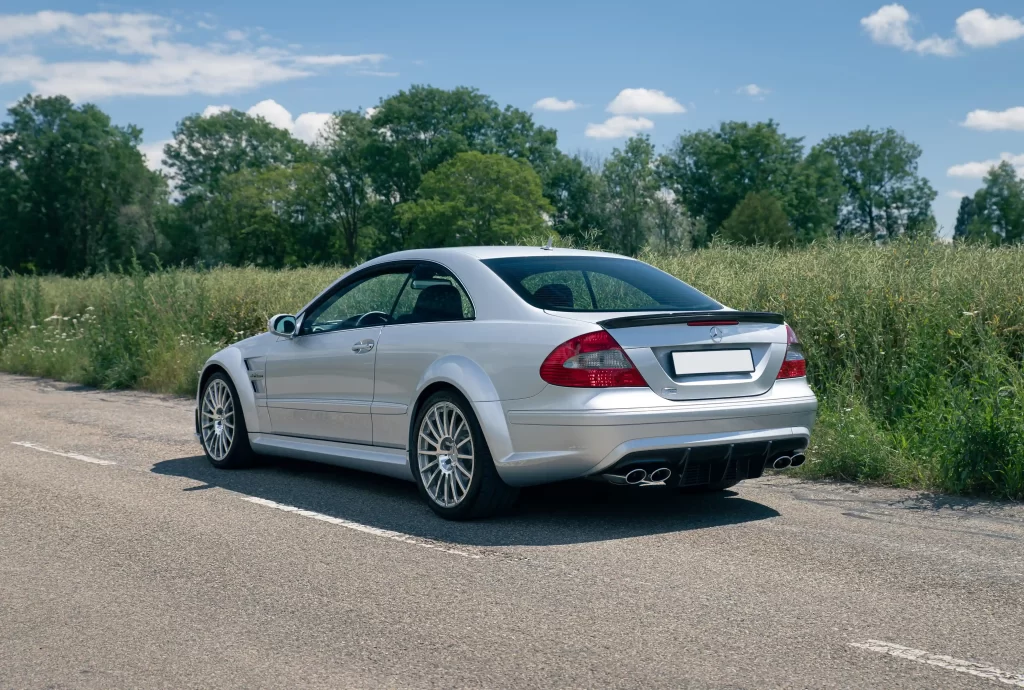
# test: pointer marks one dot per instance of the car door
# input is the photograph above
(431, 318)
(320, 381)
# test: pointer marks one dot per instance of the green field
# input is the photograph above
(915, 349)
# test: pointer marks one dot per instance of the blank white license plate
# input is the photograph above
(713, 362)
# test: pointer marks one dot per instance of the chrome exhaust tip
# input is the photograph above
(782, 462)
(635, 476)
(659, 475)
(797, 460)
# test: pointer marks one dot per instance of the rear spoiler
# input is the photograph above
(696, 318)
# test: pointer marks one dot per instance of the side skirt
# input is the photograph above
(391, 462)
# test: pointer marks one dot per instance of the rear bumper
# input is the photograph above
(555, 444)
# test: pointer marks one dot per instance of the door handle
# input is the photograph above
(363, 346)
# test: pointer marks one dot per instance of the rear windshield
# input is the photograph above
(594, 283)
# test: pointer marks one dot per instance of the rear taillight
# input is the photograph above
(795, 365)
(593, 360)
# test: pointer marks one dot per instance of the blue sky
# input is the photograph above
(947, 73)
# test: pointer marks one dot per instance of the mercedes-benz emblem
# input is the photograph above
(716, 334)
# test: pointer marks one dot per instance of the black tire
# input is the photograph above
(486, 494)
(239, 453)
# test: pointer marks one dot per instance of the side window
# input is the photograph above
(559, 290)
(432, 294)
(367, 302)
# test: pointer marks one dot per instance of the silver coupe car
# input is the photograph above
(475, 371)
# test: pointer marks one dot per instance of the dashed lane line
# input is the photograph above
(341, 522)
(942, 661)
(75, 456)
(359, 527)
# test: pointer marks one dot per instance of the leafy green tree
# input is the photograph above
(631, 184)
(205, 150)
(758, 219)
(345, 164)
(885, 195)
(274, 217)
(75, 194)
(203, 153)
(999, 207)
(418, 130)
(711, 172)
(476, 199)
(964, 217)
(576, 193)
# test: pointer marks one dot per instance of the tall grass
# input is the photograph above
(915, 349)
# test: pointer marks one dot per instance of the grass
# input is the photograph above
(915, 349)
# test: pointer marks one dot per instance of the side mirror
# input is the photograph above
(281, 324)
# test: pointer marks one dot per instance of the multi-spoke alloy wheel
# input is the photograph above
(222, 424)
(218, 419)
(444, 451)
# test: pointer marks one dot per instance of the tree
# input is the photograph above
(711, 172)
(964, 217)
(75, 194)
(999, 207)
(575, 191)
(345, 166)
(207, 149)
(274, 217)
(884, 196)
(477, 199)
(631, 184)
(759, 219)
(418, 130)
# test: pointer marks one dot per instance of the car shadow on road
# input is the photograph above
(564, 513)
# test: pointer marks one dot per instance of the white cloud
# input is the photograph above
(274, 113)
(212, 110)
(552, 103)
(618, 127)
(754, 91)
(148, 61)
(644, 102)
(979, 169)
(370, 111)
(309, 127)
(333, 60)
(979, 29)
(890, 25)
(994, 120)
(955, 194)
(154, 154)
(235, 35)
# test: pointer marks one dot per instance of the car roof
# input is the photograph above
(482, 253)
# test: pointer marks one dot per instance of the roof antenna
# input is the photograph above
(550, 245)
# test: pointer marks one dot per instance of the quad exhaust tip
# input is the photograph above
(635, 476)
(797, 460)
(660, 474)
(783, 462)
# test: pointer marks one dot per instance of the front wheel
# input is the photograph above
(222, 424)
(452, 464)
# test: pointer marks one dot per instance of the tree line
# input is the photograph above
(435, 167)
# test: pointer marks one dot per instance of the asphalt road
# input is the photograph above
(129, 562)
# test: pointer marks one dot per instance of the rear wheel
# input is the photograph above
(452, 464)
(222, 424)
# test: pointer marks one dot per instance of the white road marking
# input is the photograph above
(942, 661)
(76, 456)
(341, 522)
